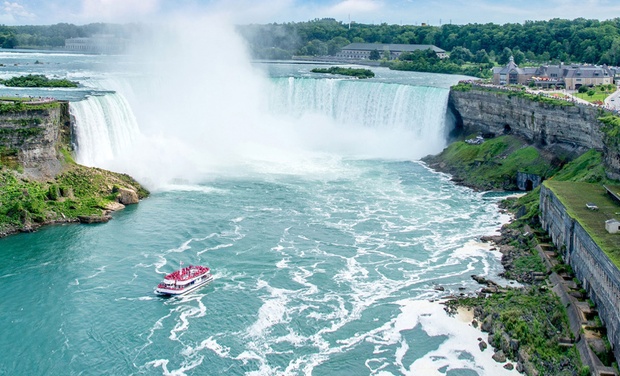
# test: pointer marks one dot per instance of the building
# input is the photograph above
(612, 226)
(100, 43)
(361, 51)
(571, 77)
(511, 74)
(587, 76)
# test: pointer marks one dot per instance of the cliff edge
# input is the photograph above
(564, 128)
(39, 181)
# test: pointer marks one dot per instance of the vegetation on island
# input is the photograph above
(37, 80)
(79, 191)
(353, 72)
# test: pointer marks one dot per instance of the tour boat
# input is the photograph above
(184, 280)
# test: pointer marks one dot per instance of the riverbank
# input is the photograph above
(537, 325)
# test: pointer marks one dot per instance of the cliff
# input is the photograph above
(573, 128)
(31, 136)
(39, 181)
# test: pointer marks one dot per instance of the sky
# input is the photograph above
(405, 12)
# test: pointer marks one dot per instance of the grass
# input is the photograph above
(494, 163)
(77, 191)
(599, 95)
(575, 195)
(536, 318)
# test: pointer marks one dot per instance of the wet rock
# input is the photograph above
(114, 206)
(483, 345)
(520, 367)
(94, 218)
(499, 356)
(514, 345)
(474, 323)
(439, 288)
(127, 196)
(509, 366)
(487, 325)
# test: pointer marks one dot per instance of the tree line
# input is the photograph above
(579, 40)
(53, 36)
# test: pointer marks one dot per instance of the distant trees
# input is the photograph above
(579, 40)
(37, 80)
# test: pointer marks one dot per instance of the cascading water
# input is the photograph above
(297, 116)
(105, 128)
(412, 115)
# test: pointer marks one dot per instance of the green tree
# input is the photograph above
(335, 45)
(518, 56)
(461, 54)
(482, 57)
(505, 56)
(374, 55)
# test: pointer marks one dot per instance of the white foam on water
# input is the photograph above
(461, 339)
(191, 188)
(272, 311)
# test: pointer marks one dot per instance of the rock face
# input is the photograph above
(571, 128)
(32, 136)
(527, 182)
(542, 123)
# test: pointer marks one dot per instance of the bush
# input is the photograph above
(354, 72)
(37, 80)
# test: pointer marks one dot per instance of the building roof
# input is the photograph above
(588, 72)
(392, 47)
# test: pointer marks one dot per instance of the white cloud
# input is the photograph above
(13, 12)
(355, 7)
(118, 10)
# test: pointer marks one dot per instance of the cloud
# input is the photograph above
(355, 6)
(118, 10)
(13, 12)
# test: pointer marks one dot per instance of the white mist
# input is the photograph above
(203, 111)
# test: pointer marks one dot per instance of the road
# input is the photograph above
(613, 101)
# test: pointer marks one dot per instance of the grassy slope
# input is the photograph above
(492, 164)
(77, 191)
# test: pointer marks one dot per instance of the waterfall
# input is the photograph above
(292, 125)
(105, 128)
(417, 109)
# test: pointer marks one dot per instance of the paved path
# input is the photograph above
(613, 101)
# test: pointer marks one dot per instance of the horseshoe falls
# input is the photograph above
(327, 237)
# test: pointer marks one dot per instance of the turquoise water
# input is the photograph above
(326, 238)
(310, 276)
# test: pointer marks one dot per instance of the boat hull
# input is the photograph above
(188, 289)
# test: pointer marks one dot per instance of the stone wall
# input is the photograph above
(33, 135)
(599, 276)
